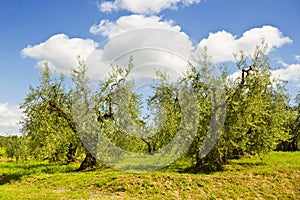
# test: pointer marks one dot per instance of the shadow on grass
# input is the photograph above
(8, 178)
(249, 164)
(211, 168)
(13, 171)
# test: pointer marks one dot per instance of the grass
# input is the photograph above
(273, 176)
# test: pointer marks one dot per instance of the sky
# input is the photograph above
(102, 32)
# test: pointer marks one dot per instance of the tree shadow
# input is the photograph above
(8, 178)
(248, 164)
(13, 171)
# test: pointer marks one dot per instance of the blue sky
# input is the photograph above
(231, 24)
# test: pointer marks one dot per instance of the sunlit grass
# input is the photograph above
(34, 167)
(272, 176)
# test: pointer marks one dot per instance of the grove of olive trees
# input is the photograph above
(258, 117)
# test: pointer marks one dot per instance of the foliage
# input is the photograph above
(166, 115)
(15, 147)
(47, 120)
(54, 117)
(2, 152)
(293, 125)
(59, 124)
(2, 147)
(118, 109)
(256, 112)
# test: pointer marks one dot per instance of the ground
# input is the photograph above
(272, 176)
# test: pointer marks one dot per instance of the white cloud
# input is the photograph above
(282, 63)
(60, 52)
(297, 58)
(222, 45)
(128, 23)
(290, 72)
(151, 41)
(10, 116)
(144, 6)
(235, 76)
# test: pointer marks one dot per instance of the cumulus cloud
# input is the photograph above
(128, 23)
(60, 52)
(144, 6)
(222, 45)
(153, 42)
(10, 116)
(289, 72)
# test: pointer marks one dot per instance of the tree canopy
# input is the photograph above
(231, 117)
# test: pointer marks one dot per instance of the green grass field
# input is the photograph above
(273, 176)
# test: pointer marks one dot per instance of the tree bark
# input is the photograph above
(89, 162)
(71, 153)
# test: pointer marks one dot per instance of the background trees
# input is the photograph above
(14, 147)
